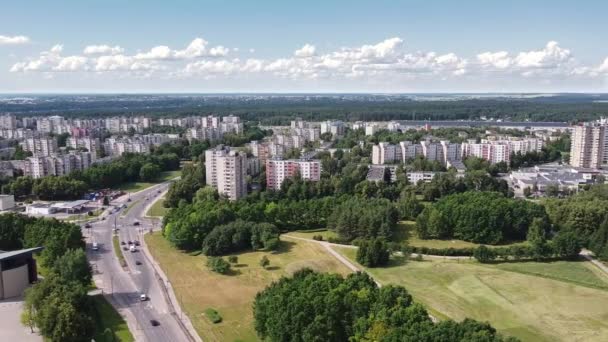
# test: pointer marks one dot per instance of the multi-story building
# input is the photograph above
(588, 149)
(278, 170)
(226, 171)
(432, 151)
(385, 153)
(494, 152)
(40, 146)
(336, 128)
(8, 122)
(58, 165)
(450, 152)
(90, 144)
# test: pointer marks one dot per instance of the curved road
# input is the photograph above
(126, 284)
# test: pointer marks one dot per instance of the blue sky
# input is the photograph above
(261, 46)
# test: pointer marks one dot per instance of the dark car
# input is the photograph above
(130, 242)
(136, 243)
(154, 322)
(125, 248)
(137, 262)
(129, 200)
(136, 223)
(103, 218)
(158, 191)
(122, 243)
(87, 225)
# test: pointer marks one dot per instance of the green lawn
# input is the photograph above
(157, 209)
(308, 234)
(107, 318)
(406, 231)
(138, 186)
(199, 289)
(532, 308)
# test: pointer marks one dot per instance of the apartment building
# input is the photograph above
(278, 170)
(40, 146)
(588, 149)
(336, 128)
(226, 170)
(58, 165)
(494, 152)
(385, 153)
(90, 144)
(8, 122)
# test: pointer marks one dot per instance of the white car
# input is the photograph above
(143, 297)
(132, 249)
(95, 246)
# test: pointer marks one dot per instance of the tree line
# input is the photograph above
(327, 307)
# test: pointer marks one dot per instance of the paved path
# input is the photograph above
(11, 328)
(587, 254)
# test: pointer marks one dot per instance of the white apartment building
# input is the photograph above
(8, 122)
(385, 153)
(432, 151)
(59, 165)
(336, 128)
(588, 149)
(91, 144)
(494, 152)
(278, 170)
(40, 146)
(226, 171)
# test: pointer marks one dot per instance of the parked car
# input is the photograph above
(136, 243)
(136, 223)
(137, 262)
(143, 297)
(87, 225)
(125, 248)
(122, 243)
(130, 242)
(95, 246)
(132, 249)
(154, 322)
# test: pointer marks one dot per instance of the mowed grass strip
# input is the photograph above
(308, 234)
(157, 209)
(532, 308)
(107, 318)
(198, 289)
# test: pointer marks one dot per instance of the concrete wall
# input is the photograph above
(15, 281)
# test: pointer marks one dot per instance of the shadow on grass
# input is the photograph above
(240, 265)
(284, 247)
(272, 268)
(544, 261)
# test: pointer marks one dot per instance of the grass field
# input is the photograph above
(532, 308)
(107, 318)
(308, 234)
(232, 296)
(406, 231)
(157, 209)
(138, 186)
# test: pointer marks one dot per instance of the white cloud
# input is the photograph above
(14, 40)
(498, 60)
(103, 50)
(71, 63)
(604, 66)
(551, 56)
(196, 49)
(307, 50)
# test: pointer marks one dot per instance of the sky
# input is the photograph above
(335, 46)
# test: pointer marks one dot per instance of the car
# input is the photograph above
(137, 262)
(132, 249)
(122, 243)
(87, 225)
(124, 206)
(95, 246)
(158, 191)
(125, 248)
(130, 242)
(136, 223)
(103, 218)
(136, 243)
(129, 200)
(154, 322)
(143, 297)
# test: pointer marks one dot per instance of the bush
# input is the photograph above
(233, 259)
(218, 265)
(317, 237)
(373, 253)
(213, 315)
(264, 262)
(442, 251)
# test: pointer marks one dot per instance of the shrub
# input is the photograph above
(233, 259)
(264, 262)
(213, 315)
(218, 265)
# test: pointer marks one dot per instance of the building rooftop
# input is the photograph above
(14, 254)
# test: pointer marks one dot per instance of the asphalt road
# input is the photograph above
(126, 284)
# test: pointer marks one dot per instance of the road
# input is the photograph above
(126, 284)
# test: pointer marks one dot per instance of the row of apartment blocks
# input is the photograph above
(493, 150)
(57, 165)
(211, 128)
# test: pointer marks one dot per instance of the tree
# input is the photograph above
(106, 201)
(326, 307)
(264, 262)
(218, 265)
(373, 253)
(233, 259)
(74, 266)
(566, 244)
(149, 172)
